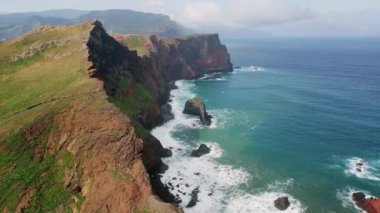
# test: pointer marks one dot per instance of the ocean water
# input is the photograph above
(293, 120)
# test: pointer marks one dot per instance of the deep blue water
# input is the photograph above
(297, 117)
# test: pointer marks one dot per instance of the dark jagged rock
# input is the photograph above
(282, 203)
(358, 196)
(196, 107)
(359, 166)
(152, 154)
(163, 190)
(194, 198)
(166, 113)
(370, 205)
(202, 150)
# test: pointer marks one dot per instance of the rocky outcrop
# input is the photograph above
(196, 107)
(127, 77)
(282, 203)
(202, 150)
(359, 166)
(370, 205)
(194, 198)
(190, 57)
(152, 154)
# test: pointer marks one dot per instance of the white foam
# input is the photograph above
(281, 185)
(220, 117)
(211, 77)
(362, 168)
(217, 183)
(213, 179)
(249, 69)
(263, 203)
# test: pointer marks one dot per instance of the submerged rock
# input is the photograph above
(194, 198)
(196, 107)
(370, 205)
(282, 203)
(202, 150)
(359, 166)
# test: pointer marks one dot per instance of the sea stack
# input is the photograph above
(202, 150)
(196, 107)
(282, 203)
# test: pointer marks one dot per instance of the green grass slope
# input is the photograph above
(39, 70)
(39, 74)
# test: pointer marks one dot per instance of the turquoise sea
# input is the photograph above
(293, 120)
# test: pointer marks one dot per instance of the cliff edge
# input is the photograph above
(76, 108)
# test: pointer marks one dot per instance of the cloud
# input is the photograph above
(241, 14)
(154, 6)
(336, 24)
(200, 14)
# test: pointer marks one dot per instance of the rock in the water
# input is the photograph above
(359, 167)
(370, 205)
(194, 198)
(196, 107)
(163, 190)
(282, 203)
(202, 150)
(358, 196)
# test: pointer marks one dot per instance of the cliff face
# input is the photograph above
(77, 140)
(124, 72)
(139, 85)
(190, 57)
(63, 145)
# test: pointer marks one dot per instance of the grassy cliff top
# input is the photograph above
(40, 70)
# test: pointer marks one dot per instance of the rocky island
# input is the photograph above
(196, 107)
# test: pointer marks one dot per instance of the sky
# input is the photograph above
(241, 17)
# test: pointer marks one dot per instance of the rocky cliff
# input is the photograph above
(190, 57)
(75, 117)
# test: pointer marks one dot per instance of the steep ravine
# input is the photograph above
(93, 152)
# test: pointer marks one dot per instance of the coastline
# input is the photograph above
(218, 186)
